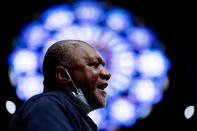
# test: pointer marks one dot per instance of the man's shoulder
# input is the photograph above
(44, 101)
(45, 107)
(48, 97)
(51, 105)
(42, 98)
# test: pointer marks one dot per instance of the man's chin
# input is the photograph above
(97, 100)
(99, 104)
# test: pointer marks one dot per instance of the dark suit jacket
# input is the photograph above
(51, 111)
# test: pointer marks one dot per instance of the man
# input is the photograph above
(74, 83)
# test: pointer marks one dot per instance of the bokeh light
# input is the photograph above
(118, 19)
(189, 112)
(139, 67)
(123, 111)
(10, 106)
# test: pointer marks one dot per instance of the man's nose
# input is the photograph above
(105, 74)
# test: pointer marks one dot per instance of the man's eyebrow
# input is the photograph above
(100, 60)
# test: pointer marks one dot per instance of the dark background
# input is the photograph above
(175, 25)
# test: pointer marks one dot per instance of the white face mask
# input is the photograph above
(80, 97)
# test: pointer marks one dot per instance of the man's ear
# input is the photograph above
(61, 75)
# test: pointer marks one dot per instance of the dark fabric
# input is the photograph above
(51, 111)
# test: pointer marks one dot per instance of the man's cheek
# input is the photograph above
(93, 76)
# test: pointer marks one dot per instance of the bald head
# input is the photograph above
(59, 54)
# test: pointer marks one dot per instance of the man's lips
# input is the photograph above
(102, 86)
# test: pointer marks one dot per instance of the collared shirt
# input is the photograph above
(51, 111)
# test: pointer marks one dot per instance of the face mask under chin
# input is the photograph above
(79, 96)
(82, 101)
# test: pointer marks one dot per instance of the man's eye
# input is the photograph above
(95, 64)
